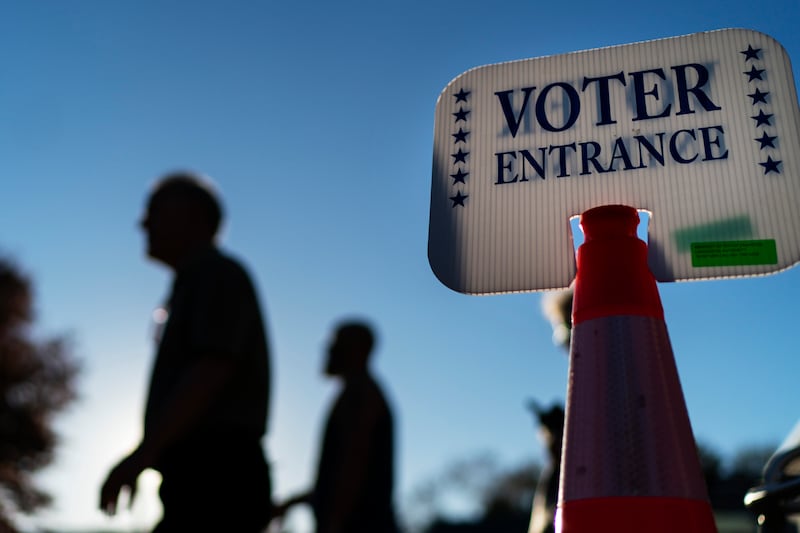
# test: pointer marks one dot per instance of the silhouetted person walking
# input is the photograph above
(545, 498)
(208, 400)
(355, 476)
(557, 308)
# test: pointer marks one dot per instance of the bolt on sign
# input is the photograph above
(702, 131)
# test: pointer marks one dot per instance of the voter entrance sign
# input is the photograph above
(702, 131)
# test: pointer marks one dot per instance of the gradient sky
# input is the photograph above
(315, 120)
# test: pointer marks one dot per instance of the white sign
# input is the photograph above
(702, 131)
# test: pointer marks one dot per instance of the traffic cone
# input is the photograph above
(629, 460)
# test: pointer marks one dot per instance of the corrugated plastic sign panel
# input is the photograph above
(702, 131)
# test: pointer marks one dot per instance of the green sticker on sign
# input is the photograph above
(734, 253)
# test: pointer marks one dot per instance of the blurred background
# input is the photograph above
(315, 120)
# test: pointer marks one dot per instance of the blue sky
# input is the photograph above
(315, 119)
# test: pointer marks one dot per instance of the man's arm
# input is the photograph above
(192, 398)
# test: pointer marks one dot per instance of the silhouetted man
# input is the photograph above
(545, 498)
(208, 400)
(557, 308)
(355, 476)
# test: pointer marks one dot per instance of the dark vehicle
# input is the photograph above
(777, 499)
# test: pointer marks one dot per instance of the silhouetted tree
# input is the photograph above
(500, 499)
(465, 481)
(711, 464)
(508, 499)
(749, 462)
(36, 381)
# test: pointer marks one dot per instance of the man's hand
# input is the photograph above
(122, 476)
(280, 509)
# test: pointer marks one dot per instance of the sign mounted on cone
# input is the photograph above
(702, 131)
(630, 461)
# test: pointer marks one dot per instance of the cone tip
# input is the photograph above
(609, 221)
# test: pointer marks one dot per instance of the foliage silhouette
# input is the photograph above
(37, 380)
(501, 498)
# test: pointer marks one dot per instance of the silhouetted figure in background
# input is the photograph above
(208, 400)
(551, 432)
(355, 476)
(557, 308)
(37, 380)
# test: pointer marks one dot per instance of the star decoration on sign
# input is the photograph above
(461, 135)
(771, 165)
(461, 114)
(750, 53)
(460, 156)
(460, 167)
(461, 96)
(754, 73)
(459, 177)
(762, 119)
(766, 140)
(759, 96)
(458, 199)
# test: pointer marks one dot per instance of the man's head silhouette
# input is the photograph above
(183, 214)
(349, 351)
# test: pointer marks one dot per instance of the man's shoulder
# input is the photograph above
(215, 262)
(214, 272)
(366, 390)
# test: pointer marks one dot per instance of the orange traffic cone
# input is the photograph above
(629, 460)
